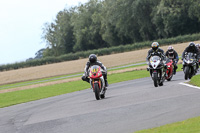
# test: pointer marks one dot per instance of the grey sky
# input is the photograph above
(21, 24)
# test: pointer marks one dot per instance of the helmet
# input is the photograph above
(154, 46)
(198, 45)
(191, 44)
(170, 49)
(92, 58)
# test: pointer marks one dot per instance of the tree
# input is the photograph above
(172, 19)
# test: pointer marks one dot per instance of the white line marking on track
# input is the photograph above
(190, 85)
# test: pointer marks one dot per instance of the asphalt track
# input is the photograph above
(129, 106)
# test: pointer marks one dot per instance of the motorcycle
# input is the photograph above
(157, 70)
(189, 65)
(97, 81)
(170, 69)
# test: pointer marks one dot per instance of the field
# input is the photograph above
(77, 66)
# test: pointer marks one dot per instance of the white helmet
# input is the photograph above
(198, 45)
(170, 49)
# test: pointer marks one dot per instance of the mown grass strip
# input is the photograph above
(44, 80)
(56, 78)
(188, 126)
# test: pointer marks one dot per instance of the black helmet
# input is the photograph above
(192, 44)
(154, 46)
(92, 58)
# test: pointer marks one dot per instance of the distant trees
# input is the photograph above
(105, 23)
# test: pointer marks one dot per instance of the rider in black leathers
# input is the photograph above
(172, 54)
(192, 49)
(198, 47)
(93, 61)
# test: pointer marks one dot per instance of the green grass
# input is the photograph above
(195, 80)
(188, 126)
(16, 97)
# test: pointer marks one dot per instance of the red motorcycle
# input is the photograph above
(97, 81)
(170, 69)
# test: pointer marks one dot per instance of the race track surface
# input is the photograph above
(129, 106)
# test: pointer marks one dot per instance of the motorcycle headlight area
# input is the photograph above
(189, 61)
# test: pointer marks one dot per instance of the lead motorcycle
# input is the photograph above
(97, 81)
(157, 70)
(189, 65)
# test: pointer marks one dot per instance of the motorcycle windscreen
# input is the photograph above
(155, 59)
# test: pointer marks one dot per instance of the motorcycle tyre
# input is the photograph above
(155, 79)
(169, 79)
(97, 91)
(186, 72)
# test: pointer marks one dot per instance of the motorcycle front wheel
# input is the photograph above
(97, 91)
(155, 79)
(186, 70)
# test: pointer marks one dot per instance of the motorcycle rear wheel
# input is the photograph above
(97, 91)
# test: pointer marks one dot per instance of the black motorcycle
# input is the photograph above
(157, 70)
(189, 65)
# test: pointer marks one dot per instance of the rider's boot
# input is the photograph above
(174, 72)
(175, 67)
(106, 83)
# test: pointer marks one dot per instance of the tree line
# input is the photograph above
(106, 23)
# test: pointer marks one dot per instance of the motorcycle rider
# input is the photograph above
(172, 54)
(156, 51)
(192, 49)
(198, 47)
(93, 61)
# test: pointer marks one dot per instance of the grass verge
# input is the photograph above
(195, 80)
(187, 126)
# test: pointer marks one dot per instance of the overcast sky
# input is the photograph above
(21, 23)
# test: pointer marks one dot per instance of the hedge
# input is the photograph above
(103, 51)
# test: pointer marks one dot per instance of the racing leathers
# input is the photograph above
(86, 74)
(159, 52)
(174, 56)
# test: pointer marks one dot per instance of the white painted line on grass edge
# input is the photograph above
(190, 85)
